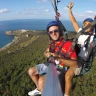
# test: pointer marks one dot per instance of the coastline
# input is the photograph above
(7, 45)
(23, 33)
(20, 34)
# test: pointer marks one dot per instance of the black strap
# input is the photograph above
(57, 17)
(60, 47)
(95, 25)
(52, 47)
(69, 52)
(81, 32)
(87, 42)
(90, 48)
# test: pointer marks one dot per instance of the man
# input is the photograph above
(66, 57)
(83, 37)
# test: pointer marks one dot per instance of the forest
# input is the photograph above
(14, 64)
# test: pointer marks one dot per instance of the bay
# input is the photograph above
(28, 24)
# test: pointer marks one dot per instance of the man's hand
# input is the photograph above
(70, 6)
(56, 56)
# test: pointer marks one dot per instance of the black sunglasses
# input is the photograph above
(55, 31)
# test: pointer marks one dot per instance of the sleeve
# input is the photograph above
(79, 30)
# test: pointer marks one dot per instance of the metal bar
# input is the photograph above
(52, 84)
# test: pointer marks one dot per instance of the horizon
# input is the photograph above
(37, 19)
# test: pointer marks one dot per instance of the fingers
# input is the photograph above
(70, 5)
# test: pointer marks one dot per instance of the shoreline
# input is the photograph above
(7, 45)
(12, 33)
(18, 34)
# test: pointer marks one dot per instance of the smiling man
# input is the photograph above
(62, 52)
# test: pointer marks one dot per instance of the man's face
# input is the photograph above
(86, 24)
(54, 32)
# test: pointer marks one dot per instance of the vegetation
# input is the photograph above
(14, 80)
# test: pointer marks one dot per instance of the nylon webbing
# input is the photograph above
(95, 25)
(58, 15)
(81, 32)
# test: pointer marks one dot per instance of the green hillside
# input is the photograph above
(16, 59)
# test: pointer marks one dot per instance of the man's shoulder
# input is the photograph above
(68, 43)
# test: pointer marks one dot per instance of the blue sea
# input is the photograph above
(29, 24)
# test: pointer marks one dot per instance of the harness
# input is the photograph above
(59, 51)
(91, 50)
(61, 66)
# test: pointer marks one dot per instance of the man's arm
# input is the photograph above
(68, 62)
(72, 18)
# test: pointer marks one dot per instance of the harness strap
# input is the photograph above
(60, 47)
(82, 32)
(52, 47)
(62, 27)
(67, 55)
(95, 25)
(87, 41)
(91, 46)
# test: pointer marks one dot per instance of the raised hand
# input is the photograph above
(70, 6)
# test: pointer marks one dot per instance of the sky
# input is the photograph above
(42, 9)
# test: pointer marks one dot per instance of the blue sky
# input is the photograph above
(42, 9)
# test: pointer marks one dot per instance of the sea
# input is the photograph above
(28, 24)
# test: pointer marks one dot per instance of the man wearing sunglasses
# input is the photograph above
(82, 38)
(86, 22)
(62, 52)
(88, 33)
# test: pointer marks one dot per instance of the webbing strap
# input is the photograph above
(69, 52)
(58, 15)
(87, 41)
(95, 25)
(91, 46)
(60, 47)
(81, 32)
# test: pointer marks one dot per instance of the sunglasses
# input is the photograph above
(54, 31)
(86, 23)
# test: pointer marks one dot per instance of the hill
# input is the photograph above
(28, 51)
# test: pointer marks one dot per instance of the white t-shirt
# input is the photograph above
(83, 52)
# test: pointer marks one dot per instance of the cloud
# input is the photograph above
(35, 11)
(4, 10)
(27, 13)
(31, 9)
(47, 10)
(80, 15)
(65, 8)
(23, 13)
(89, 12)
(41, 1)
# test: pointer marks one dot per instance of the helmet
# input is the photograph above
(88, 19)
(53, 23)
